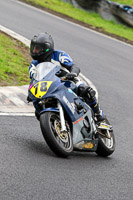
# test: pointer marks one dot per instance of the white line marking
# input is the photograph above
(17, 114)
(15, 35)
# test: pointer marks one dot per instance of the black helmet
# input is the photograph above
(41, 47)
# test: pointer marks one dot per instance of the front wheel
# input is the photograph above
(106, 144)
(59, 142)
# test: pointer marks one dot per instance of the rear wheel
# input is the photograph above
(106, 144)
(59, 142)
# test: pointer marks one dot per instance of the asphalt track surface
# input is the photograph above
(28, 169)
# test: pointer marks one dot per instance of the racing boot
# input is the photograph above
(98, 113)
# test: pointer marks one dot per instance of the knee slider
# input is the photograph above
(86, 91)
(91, 93)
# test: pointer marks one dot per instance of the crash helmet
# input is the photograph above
(41, 47)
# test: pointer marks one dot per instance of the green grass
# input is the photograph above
(13, 64)
(126, 2)
(90, 18)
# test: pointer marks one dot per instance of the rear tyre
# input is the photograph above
(106, 146)
(59, 142)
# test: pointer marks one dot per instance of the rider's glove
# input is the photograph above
(70, 76)
(33, 71)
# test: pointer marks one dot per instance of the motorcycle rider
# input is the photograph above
(42, 50)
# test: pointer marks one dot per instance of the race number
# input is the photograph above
(40, 88)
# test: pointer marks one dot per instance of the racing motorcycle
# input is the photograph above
(67, 122)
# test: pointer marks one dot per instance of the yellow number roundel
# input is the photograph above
(40, 88)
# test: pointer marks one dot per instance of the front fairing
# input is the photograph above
(49, 85)
(48, 81)
(46, 77)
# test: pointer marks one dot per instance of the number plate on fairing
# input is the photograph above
(40, 88)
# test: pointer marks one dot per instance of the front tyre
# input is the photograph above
(59, 142)
(106, 145)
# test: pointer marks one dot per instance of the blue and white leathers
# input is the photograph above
(58, 57)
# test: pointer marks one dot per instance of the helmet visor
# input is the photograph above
(36, 49)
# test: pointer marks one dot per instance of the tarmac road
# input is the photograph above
(28, 169)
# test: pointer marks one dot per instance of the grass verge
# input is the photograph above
(14, 62)
(126, 2)
(95, 21)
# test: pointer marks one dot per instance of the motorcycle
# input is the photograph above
(67, 123)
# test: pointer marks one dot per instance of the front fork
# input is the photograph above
(62, 119)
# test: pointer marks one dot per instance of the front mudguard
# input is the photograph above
(37, 114)
(49, 110)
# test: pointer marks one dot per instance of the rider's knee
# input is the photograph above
(86, 91)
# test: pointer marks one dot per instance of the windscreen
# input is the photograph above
(43, 69)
